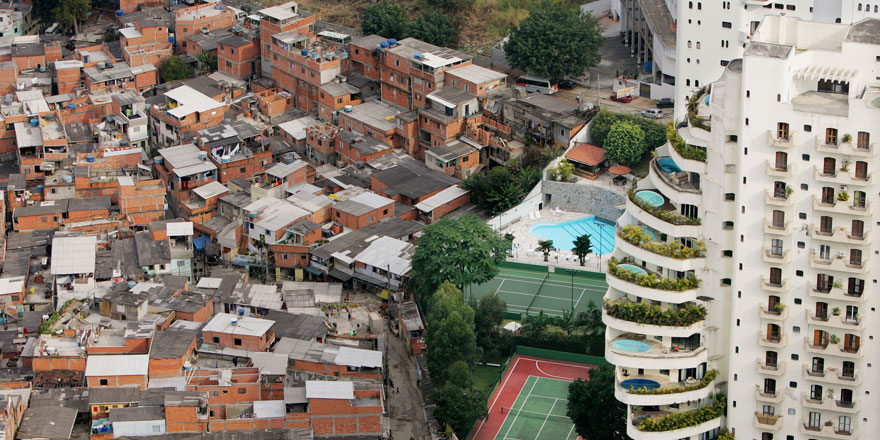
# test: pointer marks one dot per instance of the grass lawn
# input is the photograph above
(485, 376)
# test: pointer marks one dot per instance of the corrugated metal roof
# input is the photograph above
(73, 255)
(319, 389)
(244, 325)
(190, 100)
(357, 357)
(179, 229)
(441, 198)
(269, 409)
(212, 189)
(117, 365)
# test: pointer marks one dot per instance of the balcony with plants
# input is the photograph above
(668, 353)
(680, 187)
(844, 204)
(845, 146)
(836, 320)
(653, 319)
(664, 218)
(843, 176)
(768, 421)
(662, 390)
(783, 198)
(832, 347)
(673, 424)
(627, 276)
(836, 291)
(776, 312)
(639, 243)
(683, 150)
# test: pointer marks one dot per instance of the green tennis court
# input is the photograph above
(531, 289)
(539, 412)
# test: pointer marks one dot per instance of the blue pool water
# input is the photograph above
(650, 197)
(630, 345)
(640, 384)
(633, 268)
(563, 234)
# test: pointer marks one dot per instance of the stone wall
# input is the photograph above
(583, 198)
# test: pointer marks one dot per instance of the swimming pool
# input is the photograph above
(563, 234)
(630, 345)
(640, 384)
(650, 197)
(633, 268)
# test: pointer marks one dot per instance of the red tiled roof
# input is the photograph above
(587, 154)
(619, 170)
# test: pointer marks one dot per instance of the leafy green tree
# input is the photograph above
(448, 299)
(501, 188)
(434, 27)
(555, 41)
(487, 323)
(545, 246)
(451, 340)
(452, 5)
(582, 247)
(208, 62)
(174, 68)
(385, 18)
(570, 321)
(655, 132)
(602, 125)
(536, 324)
(459, 407)
(68, 13)
(462, 251)
(596, 414)
(625, 143)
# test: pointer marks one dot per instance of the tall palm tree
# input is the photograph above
(545, 246)
(582, 247)
(570, 321)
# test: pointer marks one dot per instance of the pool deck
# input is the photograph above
(526, 243)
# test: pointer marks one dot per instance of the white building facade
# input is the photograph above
(772, 196)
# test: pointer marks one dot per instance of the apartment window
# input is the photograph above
(778, 219)
(385, 212)
(855, 287)
(781, 161)
(843, 424)
(766, 436)
(103, 381)
(769, 386)
(776, 247)
(820, 338)
(782, 130)
(370, 219)
(816, 392)
(855, 257)
(771, 359)
(775, 276)
(861, 170)
(829, 166)
(857, 229)
(698, 48)
(790, 7)
(824, 252)
(726, 25)
(828, 195)
(689, 44)
(848, 370)
(815, 421)
(691, 5)
(831, 136)
(863, 140)
(859, 199)
(826, 224)
(236, 341)
(699, 6)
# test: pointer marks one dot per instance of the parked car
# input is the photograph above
(665, 103)
(653, 113)
(623, 99)
(567, 84)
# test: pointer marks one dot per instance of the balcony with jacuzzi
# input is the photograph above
(629, 314)
(637, 350)
(680, 254)
(678, 185)
(694, 418)
(643, 387)
(644, 279)
(651, 206)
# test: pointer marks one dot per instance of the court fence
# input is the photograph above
(559, 270)
(560, 355)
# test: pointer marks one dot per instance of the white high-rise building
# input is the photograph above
(686, 44)
(778, 186)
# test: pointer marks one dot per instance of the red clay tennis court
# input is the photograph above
(530, 401)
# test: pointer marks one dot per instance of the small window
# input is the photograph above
(103, 382)
(808, 128)
(806, 157)
(242, 391)
(726, 25)
(236, 341)
(216, 339)
(385, 211)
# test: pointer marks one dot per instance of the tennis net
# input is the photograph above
(519, 412)
(537, 293)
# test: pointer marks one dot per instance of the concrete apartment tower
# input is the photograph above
(777, 182)
(686, 44)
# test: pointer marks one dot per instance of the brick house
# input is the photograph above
(142, 201)
(183, 169)
(170, 350)
(362, 210)
(117, 371)
(185, 110)
(335, 96)
(411, 327)
(238, 56)
(281, 19)
(365, 58)
(475, 79)
(120, 76)
(435, 207)
(353, 148)
(444, 116)
(456, 159)
(209, 16)
(237, 149)
(411, 69)
(338, 408)
(375, 119)
(242, 332)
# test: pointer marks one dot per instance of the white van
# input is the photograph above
(537, 84)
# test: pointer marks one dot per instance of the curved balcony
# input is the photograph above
(667, 296)
(665, 394)
(649, 329)
(658, 356)
(841, 235)
(784, 172)
(771, 370)
(835, 294)
(774, 140)
(843, 208)
(833, 376)
(766, 421)
(840, 177)
(695, 136)
(782, 287)
(829, 432)
(829, 404)
(634, 433)
(689, 165)
(776, 258)
(640, 253)
(769, 397)
(772, 341)
(845, 148)
(654, 222)
(773, 315)
(835, 321)
(772, 199)
(784, 229)
(676, 186)
(830, 349)
(840, 265)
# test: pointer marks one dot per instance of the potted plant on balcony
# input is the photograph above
(843, 196)
(835, 311)
(844, 166)
(788, 191)
(778, 307)
(834, 339)
(837, 285)
(846, 138)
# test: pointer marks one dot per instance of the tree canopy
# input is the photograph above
(555, 41)
(433, 27)
(582, 247)
(502, 188)
(459, 407)
(68, 13)
(655, 132)
(174, 68)
(208, 62)
(625, 143)
(487, 323)
(462, 251)
(596, 413)
(385, 18)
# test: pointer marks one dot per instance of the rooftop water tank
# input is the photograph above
(90, 158)
(101, 65)
(67, 179)
(131, 284)
(304, 52)
(203, 155)
(171, 38)
(120, 12)
(42, 68)
(240, 312)
(35, 122)
(383, 45)
(234, 321)
(392, 41)
(40, 188)
(348, 108)
(158, 159)
(71, 106)
(220, 7)
(417, 56)
(316, 55)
